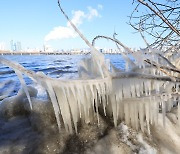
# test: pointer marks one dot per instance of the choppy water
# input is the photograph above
(63, 66)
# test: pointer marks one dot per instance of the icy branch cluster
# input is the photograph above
(135, 96)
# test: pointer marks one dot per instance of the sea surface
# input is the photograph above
(55, 66)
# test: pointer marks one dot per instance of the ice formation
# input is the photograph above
(137, 98)
(148, 86)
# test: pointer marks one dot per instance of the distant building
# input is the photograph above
(2, 46)
(15, 46)
(47, 48)
(12, 45)
(18, 46)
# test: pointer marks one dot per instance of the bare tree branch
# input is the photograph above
(160, 22)
(161, 16)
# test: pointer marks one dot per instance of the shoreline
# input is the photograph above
(51, 53)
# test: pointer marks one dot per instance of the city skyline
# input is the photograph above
(41, 22)
(15, 46)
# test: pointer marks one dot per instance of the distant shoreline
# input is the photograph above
(47, 53)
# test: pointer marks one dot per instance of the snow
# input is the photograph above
(146, 148)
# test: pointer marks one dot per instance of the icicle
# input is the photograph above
(114, 109)
(132, 114)
(137, 86)
(147, 115)
(66, 107)
(77, 94)
(126, 89)
(121, 110)
(150, 109)
(132, 87)
(84, 105)
(126, 113)
(54, 102)
(157, 87)
(73, 104)
(141, 115)
(89, 102)
(156, 116)
(179, 112)
(163, 112)
(24, 86)
(136, 116)
(93, 96)
(96, 103)
(141, 87)
(121, 92)
(117, 104)
(79, 98)
(147, 87)
(99, 92)
(104, 103)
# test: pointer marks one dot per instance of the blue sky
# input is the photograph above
(38, 22)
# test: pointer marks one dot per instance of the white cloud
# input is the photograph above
(92, 13)
(61, 32)
(78, 17)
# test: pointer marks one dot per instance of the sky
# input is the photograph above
(38, 22)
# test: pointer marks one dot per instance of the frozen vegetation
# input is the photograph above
(104, 110)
